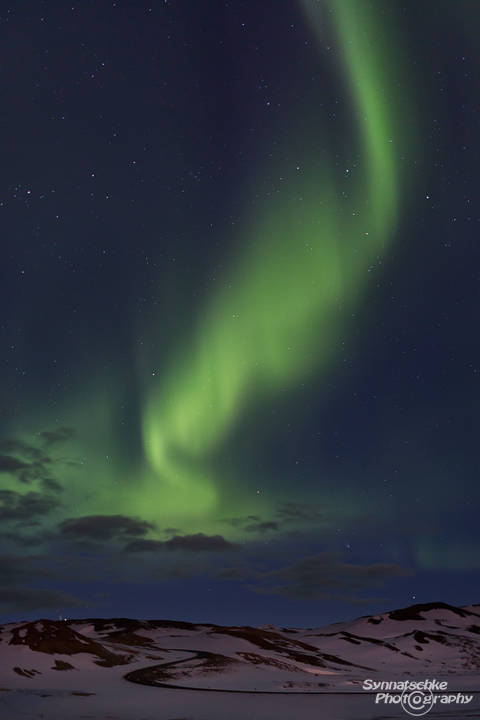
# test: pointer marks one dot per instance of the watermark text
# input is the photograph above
(416, 697)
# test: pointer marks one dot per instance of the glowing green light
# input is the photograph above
(277, 316)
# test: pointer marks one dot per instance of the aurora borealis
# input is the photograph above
(239, 291)
(269, 323)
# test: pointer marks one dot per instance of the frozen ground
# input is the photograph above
(132, 702)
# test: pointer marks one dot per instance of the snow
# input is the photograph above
(125, 701)
(241, 673)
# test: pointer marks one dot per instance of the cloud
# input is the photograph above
(318, 576)
(302, 513)
(194, 543)
(25, 508)
(288, 514)
(27, 462)
(60, 435)
(152, 546)
(252, 524)
(16, 569)
(24, 472)
(27, 541)
(49, 484)
(24, 461)
(20, 599)
(11, 465)
(177, 571)
(199, 543)
(234, 573)
(261, 527)
(234, 522)
(103, 528)
(20, 574)
(18, 447)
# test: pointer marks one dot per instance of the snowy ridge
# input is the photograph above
(77, 661)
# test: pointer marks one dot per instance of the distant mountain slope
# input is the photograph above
(431, 639)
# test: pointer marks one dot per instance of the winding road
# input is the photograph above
(140, 676)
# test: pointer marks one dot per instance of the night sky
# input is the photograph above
(239, 331)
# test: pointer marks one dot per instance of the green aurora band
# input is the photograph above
(274, 322)
(276, 317)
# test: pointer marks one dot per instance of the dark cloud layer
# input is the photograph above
(286, 515)
(28, 463)
(15, 569)
(27, 539)
(323, 576)
(302, 512)
(296, 519)
(194, 543)
(18, 447)
(11, 465)
(103, 528)
(19, 575)
(26, 508)
(51, 437)
(49, 484)
(21, 599)
(261, 527)
(25, 472)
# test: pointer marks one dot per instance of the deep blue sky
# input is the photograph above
(142, 145)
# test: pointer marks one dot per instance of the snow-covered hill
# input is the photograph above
(74, 668)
